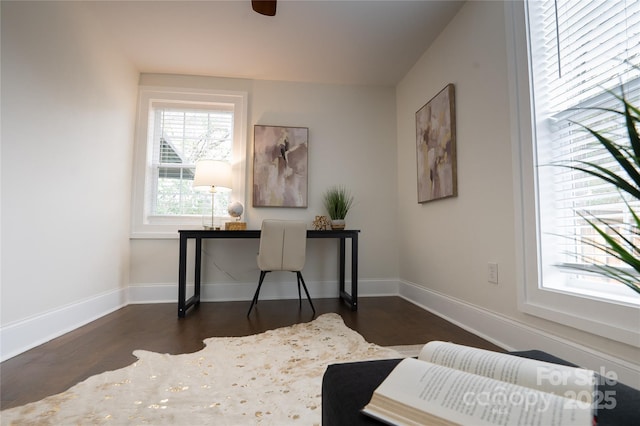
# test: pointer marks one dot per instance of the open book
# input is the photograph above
(454, 384)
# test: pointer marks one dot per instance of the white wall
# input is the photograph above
(68, 111)
(447, 244)
(351, 142)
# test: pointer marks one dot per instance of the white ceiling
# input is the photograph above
(337, 42)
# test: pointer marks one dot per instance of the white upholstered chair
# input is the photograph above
(283, 245)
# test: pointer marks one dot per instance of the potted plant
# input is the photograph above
(337, 200)
(621, 245)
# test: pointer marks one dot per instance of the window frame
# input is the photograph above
(144, 225)
(610, 319)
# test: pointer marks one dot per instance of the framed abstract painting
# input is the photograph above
(280, 166)
(436, 147)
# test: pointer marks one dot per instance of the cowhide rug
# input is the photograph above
(273, 378)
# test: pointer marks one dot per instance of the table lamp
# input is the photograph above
(215, 175)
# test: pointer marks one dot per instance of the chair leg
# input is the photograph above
(299, 295)
(255, 296)
(299, 274)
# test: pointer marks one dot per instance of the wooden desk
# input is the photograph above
(199, 235)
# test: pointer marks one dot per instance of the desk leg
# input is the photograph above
(198, 272)
(341, 266)
(351, 299)
(182, 277)
(354, 272)
(183, 303)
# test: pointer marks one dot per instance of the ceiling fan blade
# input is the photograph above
(264, 7)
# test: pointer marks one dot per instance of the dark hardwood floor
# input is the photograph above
(107, 343)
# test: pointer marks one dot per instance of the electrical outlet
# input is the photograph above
(492, 275)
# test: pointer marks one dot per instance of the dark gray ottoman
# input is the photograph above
(347, 388)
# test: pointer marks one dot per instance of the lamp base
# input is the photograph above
(211, 223)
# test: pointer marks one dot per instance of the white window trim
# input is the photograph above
(616, 321)
(164, 226)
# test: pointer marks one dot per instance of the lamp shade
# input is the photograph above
(213, 173)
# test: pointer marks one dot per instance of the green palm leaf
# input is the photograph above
(616, 243)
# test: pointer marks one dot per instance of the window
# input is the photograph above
(175, 129)
(565, 56)
(580, 50)
(181, 137)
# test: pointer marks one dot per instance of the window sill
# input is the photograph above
(165, 227)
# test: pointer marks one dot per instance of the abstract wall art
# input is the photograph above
(436, 147)
(280, 163)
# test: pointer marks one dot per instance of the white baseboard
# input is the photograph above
(26, 334)
(516, 336)
(225, 292)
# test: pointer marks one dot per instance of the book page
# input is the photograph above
(418, 392)
(569, 382)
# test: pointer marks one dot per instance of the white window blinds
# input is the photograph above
(181, 136)
(579, 50)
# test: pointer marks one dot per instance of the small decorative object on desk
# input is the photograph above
(321, 223)
(337, 200)
(235, 226)
(235, 210)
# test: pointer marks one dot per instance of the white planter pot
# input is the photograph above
(337, 224)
